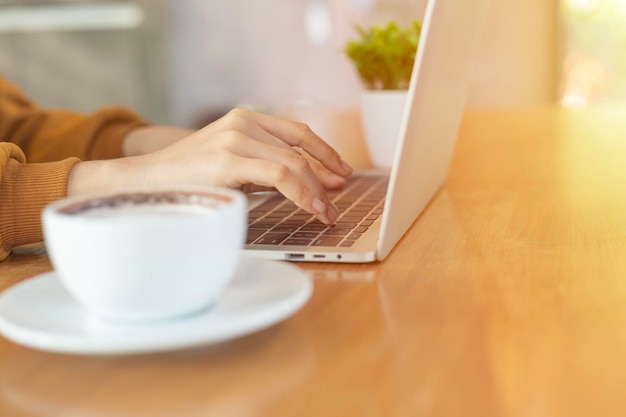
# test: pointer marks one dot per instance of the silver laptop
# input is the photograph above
(377, 208)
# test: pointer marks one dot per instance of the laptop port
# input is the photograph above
(295, 256)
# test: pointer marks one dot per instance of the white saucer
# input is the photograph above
(41, 314)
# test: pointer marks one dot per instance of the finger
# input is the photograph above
(252, 129)
(242, 145)
(299, 134)
(271, 174)
(254, 188)
(327, 178)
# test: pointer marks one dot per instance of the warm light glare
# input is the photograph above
(574, 101)
(594, 46)
(582, 5)
(584, 79)
(621, 5)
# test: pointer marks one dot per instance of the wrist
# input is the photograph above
(98, 176)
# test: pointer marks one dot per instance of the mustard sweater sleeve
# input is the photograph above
(25, 189)
(52, 135)
(52, 141)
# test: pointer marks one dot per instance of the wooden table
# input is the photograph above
(506, 298)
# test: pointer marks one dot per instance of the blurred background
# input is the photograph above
(185, 62)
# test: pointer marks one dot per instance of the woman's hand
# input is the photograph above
(244, 150)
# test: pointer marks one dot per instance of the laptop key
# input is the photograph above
(253, 235)
(306, 235)
(290, 222)
(285, 228)
(349, 219)
(356, 213)
(337, 232)
(313, 228)
(269, 204)
(280, 222)
(297, 242)
(255, 214)
(262, 225)
(344, 225)
(272, 238)
(328, 241)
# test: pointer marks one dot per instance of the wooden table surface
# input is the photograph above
(506, 298)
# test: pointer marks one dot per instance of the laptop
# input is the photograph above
(377, 208)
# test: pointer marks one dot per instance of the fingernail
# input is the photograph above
(347, 167)
(318, 205)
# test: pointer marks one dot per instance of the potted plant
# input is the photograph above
(383, 58)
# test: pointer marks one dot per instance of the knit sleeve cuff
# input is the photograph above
(26, 189)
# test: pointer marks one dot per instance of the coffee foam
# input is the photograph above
(170, 202)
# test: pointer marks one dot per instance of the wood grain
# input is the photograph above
(506, 298)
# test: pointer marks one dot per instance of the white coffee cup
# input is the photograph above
(146, 255)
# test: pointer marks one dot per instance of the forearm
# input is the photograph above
(147, 139)
(115, 174)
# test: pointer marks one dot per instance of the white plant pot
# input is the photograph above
(381, 114)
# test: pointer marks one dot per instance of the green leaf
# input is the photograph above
(384, 56)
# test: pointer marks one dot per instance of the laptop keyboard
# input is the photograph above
(279, 221)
